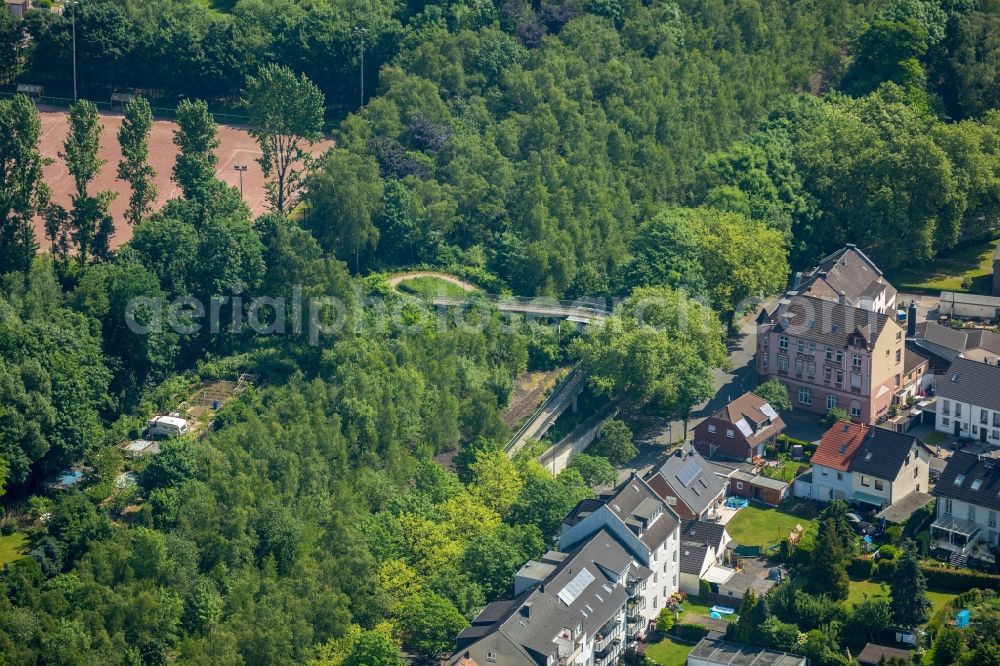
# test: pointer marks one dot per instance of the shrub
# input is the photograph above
(7, 527)
(704, 588)
(665, 620)
(861, 567)
(894, 534)
(885, 570)
(690, 632)
(888, 552)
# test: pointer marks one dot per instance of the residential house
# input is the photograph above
(968, 401)
(831, 462)
(689, 484)
(830, 354)
(574, 613)
(741, 430)
(647, 528)
(887, 467)
(703, 555)
(969, 306)
(870, 466)
(716, 650)
(944, 344)
(848, 276)
(968, 501)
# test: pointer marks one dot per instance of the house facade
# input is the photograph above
(831, 355)
(831, 462)
(689, 484)
(868, 466)
(575, 612)
(703, 555)
(647, 528)
(741, 430)
(968, 504)
(887, 467)
(968, 401)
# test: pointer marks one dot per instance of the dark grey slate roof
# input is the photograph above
(971, 382)
(970, 478)
(942, 336)
(692, 557)
(984, 339)
(883, 453)
(643, 511)
(825, 322)
(848, 270)
(582, 591)
(703, 532)
(691, 478)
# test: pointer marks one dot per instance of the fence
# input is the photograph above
(158, 111)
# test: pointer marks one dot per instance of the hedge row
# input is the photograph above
(958, 580)
(785, 443)
(687, 631)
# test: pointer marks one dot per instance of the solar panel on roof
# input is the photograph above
(575, 587)
(688, 473)
(744, 427)
(768, 410)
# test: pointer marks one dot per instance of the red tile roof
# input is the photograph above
(839, 444)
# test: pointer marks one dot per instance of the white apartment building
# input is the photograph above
(968, 401)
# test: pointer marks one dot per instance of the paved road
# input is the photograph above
(402, 277)
(549, 411)
(728, 385)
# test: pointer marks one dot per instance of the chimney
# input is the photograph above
(526, 609)
(797, 280)
(911, 320)
(842, 298)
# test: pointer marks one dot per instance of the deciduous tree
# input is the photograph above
(134, 167)
(286, 118)
(196, 138)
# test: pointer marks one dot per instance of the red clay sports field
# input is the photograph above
(236, 146)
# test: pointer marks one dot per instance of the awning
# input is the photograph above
(867, 498)
(949, 523)
(899, 512)
(718, 575)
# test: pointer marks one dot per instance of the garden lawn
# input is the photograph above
(870, 589)
(669, 652)
(429, 286)
(935, 438)
(12, 547)
(697, 607)
(947, 271)
(764, 526)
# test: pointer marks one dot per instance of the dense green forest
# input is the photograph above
(688, 153)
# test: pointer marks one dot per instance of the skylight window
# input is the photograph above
(960, 479)
(977, 484)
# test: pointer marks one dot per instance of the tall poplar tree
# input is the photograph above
(91, 223)
(134, 168)
(23, 194)
(196, 137)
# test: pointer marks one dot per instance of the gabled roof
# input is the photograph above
(693, 557)
(637, 506)
(825, 322)
(847, 271)
(689, 478)
(839, 444)
(971, 382)
(883, 453)
(583, 590)
(753, 416)
(971, 478)
(697, 537)
(913, 360)
(982, 338)
(942, 336)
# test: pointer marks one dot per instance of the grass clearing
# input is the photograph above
(669, 652)
(870, 589)
(13, 547)
(758, 525)
(947, 271)
(428, 286)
